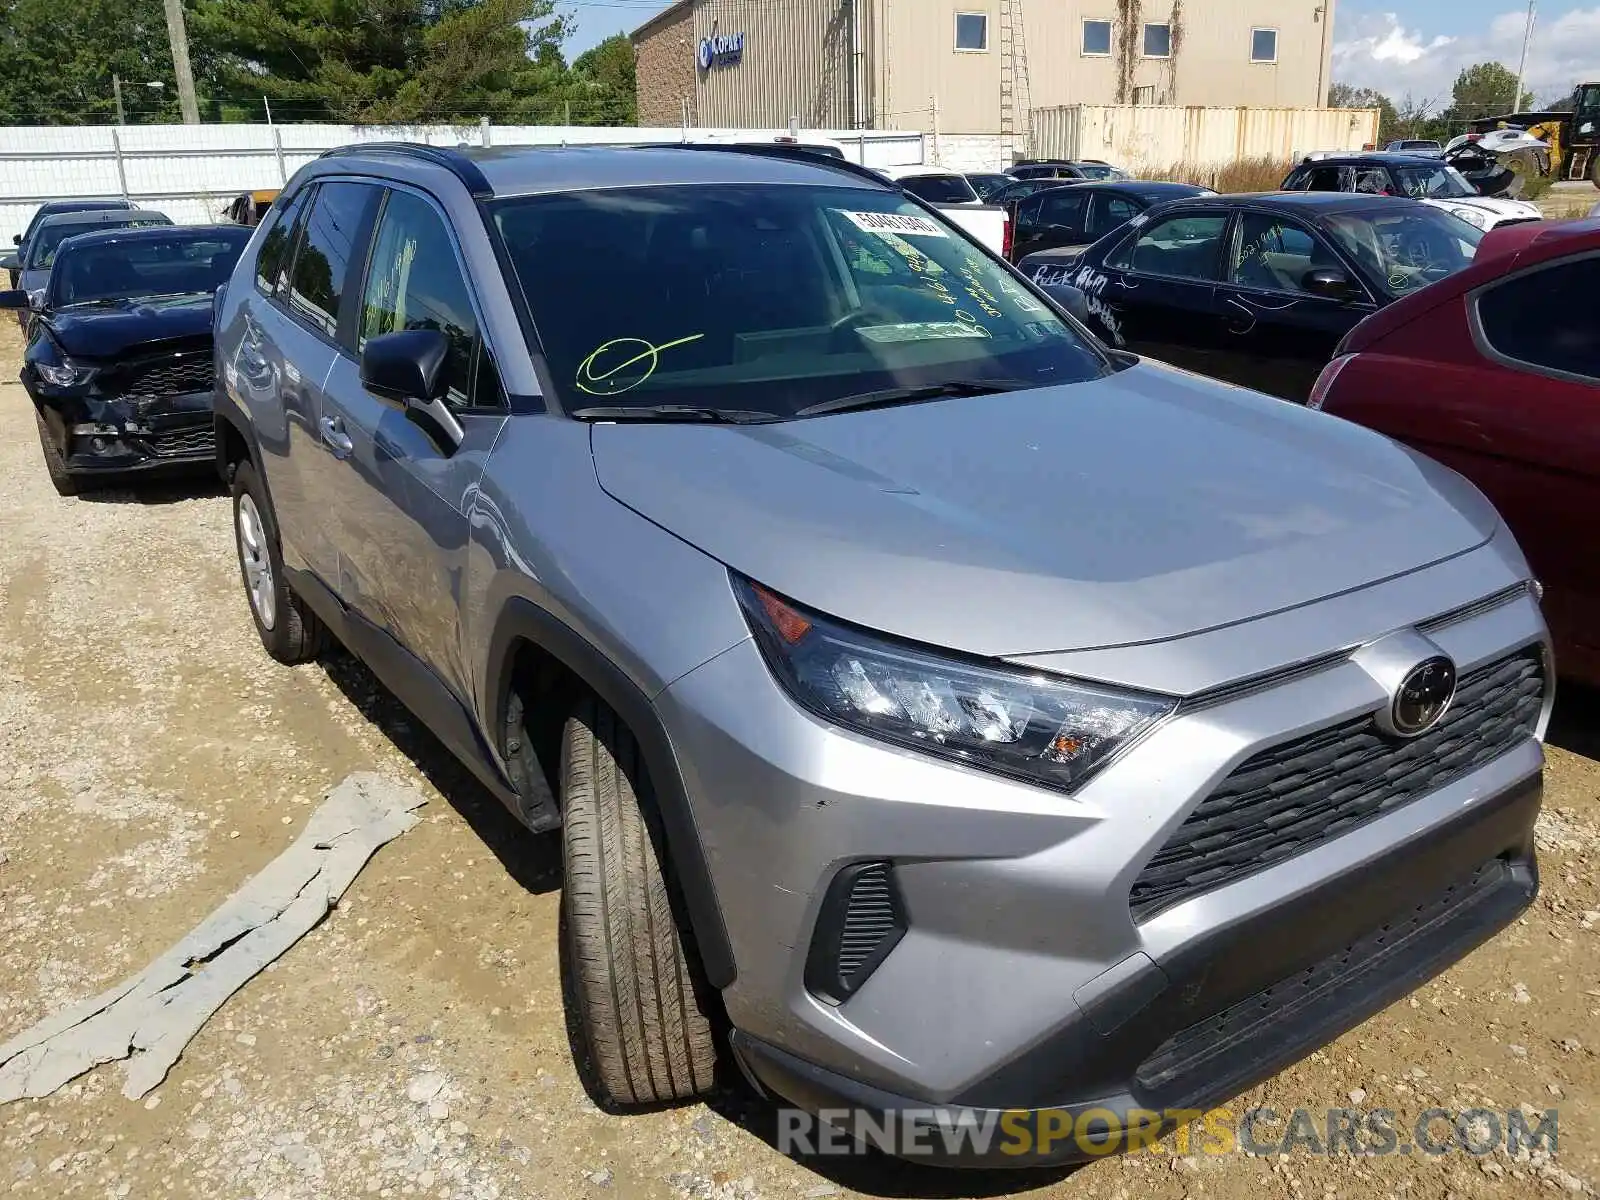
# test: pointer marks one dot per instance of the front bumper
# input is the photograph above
(112, 437)
(1022, 980)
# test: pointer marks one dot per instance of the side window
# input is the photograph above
(1325, 179)
(1297, 180)
(1274, 254)
(322, 263)
(1028, 211)
(1186, 246)
(1374, 181)
(415, 282)
(1064, 207)
(1110, 212)
(1532, 319)
(277, 247)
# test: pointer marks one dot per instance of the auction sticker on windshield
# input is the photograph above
(905, 224)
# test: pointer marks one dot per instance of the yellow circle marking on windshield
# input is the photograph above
(612, 381)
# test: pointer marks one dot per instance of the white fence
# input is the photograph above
(1148, 138)
(191, 172)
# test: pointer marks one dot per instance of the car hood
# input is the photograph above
(105, 332)
(1146, 505)
(1499, 206)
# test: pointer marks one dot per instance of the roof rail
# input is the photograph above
(452, 160)
(791, 152)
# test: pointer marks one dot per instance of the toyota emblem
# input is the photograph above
(1423, 696)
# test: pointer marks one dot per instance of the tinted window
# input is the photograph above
(1373, 181)
(322, 262)
(686, 305)
(1033, 172)
(415, 282)
(1546, 318)
(1110, 212)
(1158, 41)
(272, 260)
(1407, 245)
(1097, 37)
(1324, 179)
(1184, 246)
(175, 266)
(972, 31)
(1274, 254)
(940, 189)
(1433, 183)
(42, 248)
(1064, 206)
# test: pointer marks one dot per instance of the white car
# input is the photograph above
(953, 194)
(1487, 212)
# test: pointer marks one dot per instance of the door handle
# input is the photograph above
(337, 440)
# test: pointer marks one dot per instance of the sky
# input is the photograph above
(1396, 46)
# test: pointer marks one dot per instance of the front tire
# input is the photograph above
(290, 632)
(65, 483)
(648, 1037)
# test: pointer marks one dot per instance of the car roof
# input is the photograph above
(502, 171)
(52, 208)
(155, 233)
(1377, 158)
(101, 216)
(910, 172)
(1305, 203)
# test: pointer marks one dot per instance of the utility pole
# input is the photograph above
(178, 35)
(116, 90)
(1522, 66)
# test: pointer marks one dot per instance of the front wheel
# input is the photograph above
(65, 483)
(648, 1036)
(289, 630)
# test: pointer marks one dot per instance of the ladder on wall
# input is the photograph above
(1016, 105)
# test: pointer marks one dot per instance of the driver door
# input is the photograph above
(1277, 336)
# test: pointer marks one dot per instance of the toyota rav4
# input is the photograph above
(938, 709)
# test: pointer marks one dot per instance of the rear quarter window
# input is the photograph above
(1544, 320)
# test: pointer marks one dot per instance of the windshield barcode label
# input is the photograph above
(901, 223)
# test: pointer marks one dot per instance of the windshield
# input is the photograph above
(770, 298)
(940, 189)
(179, 265)
(42, 248)
(1433, 183)
(1409, 248)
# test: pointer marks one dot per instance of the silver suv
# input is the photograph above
(937, 708)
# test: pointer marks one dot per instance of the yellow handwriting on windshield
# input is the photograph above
(622, 364)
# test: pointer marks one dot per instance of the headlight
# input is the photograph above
(66, 374)
(1473, 216)
(1035, 727)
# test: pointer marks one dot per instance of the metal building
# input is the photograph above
(971, 66)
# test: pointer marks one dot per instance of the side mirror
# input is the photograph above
(1330, 283)
(407, 369)
(14, 299)
(16, 239)
(11, 262)
(1071, 299)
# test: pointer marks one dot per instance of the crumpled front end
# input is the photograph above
(142, 412)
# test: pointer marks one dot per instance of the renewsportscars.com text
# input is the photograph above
(1096, 1132)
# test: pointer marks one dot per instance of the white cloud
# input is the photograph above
(1375, 50)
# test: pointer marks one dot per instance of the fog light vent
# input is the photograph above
(862, 919)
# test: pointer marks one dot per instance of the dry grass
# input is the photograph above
(1246, 175)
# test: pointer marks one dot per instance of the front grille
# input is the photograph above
(1286, 800)
(168, 377)
(1276, 1020)
(199, 439)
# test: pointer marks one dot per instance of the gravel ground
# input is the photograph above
(415, 1044)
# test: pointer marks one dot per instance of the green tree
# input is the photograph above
(1485, 90)
(57, 60)
(1345, 95)
(377, 61)
(602, 87)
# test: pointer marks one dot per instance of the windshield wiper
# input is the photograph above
(688, 413)
(97, 302)
(889, 397)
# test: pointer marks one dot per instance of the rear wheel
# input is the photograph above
(648, 1037)
(289, 630)
(64, 482)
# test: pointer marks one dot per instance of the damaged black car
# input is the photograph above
(119, 355)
